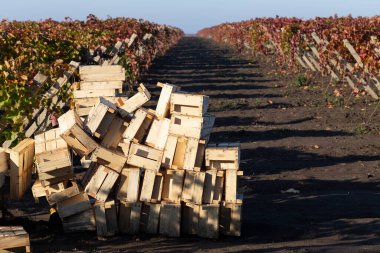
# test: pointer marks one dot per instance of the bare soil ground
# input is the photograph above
(290, 138)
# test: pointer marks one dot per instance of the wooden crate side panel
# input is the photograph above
(129, 185)
(135, 124)
(209, 186)
(109, 158)
(73, 205)
(170, 219)
(163, 104)
(84, 221)
(209, 221)
(148, 185)
(169, 151)
(190, 219)
(150, 217)
(65, 194)
(231, 186)
(107, 185)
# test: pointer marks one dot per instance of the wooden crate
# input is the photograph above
(139, 126)
(170, 219)
(163, 104)
(13, 237)
(38, 190)
(183, 153)
(100, 118)
(149, 218)
(101, 183)
(208, 225)
(158, 134)
(83, 106)
(99, 73)
(213, 187)
(71, 129)
(151, 186)
(102, 85)
(112, 159)
(129, 184)
(68, 192)
(106, 218)
(190, 218)
(21, 165)
(172, 185)
(230, 219)
(114, 135)
(231, 185)
(136, 101)
(129, 217)
(49, 141)
(54, 164)
(73, 205)
(125, 145)
(84, 221)
(188, 104)
(223, 156)
(4, 165)
(192, 190)
(191, 126)
(144, 157)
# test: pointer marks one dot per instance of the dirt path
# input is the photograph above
(290, 139)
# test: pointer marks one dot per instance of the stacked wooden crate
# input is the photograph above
(147, 171)
(97, 81)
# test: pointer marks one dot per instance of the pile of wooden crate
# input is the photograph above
(147, 171)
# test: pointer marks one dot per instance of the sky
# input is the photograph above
(189, 15)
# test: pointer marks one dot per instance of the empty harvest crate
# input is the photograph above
(188, 104)
(144, 157)
(190, 126)
(71, 129)
(223, 156)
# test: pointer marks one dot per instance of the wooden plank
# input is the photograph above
(190, 218)
(158, 134)
(21, 163)
(194, 154)
(169, 151)
(145, 157)
(193, 187)
(129, 218)
(170, 219)
(209, 186)
(100, 118)
(353, 52)
(129, 185)
(110, 85)
(109, 158)
(163, 104)
(84, 221)
(147, 185)
(193, 127)
(135, 102)
(73, 205)
(188, 104)
(139, 124)
(172, 185)
(150, 217)
(49, 140)
(223, 156)
(230, 219)
(63, 195)
(94, 93)
(208, 226)
(114, 134)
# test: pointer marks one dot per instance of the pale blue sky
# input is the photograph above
(190, 15)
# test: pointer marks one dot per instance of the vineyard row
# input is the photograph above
(39, 61)
(345, 48)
